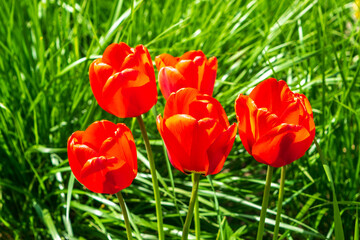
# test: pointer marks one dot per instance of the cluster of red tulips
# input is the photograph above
(275, 125)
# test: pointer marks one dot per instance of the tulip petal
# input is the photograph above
(97, 133)
(115, 54)
(273, 95)
(189, 70)
(143, 54)
(253, 122)
(74, 140)
(196, 71)
(99, 73)
(136, 100)
(208, 107)
(213, 63)
(170, 80)
(191, 55)
(131, 61)
(309, 122)
(177, 132)
(129, 94)
(246, 110)
(165, 60)
(83, 153)
(190, 101)
(200, 63)
(126, 136)
(179, 103)
(145, 64)
(127, 174)
(294, 113)
(282, 145)
(220, 149)
(203, 109)
(204, 134)
(126, 78)
(100, 174)
(299, 112)
(208, 79)
(99, 165)
(121, 146)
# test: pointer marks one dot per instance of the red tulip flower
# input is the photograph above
(196, 132)
(276, 126)
(103, 157)
(123, 80)
(192, 70)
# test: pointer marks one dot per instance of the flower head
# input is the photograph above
(196, 132)
(103, 157)
(123, 80)
(192, 70)
(276, 126)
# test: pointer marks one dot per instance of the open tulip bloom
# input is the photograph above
(197, 136)
(196, 132)
(103, 157)
(276, 127)
(123, 80)
(192, 70)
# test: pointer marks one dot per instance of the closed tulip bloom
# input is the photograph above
(123, 80)
(196, 132)
(192, 70)
(276, 126)
(103, 157)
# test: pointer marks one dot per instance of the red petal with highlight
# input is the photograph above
(220, 149)
(282, 145)
(169, 79)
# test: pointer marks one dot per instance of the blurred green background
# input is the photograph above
(46, 48)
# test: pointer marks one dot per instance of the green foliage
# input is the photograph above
(46, 48)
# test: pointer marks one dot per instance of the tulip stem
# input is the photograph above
(124, 212)
(193, 198)
(265, 202)
(279, 205)
(196, 214)
(153, 178)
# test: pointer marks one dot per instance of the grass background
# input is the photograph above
(46, 48)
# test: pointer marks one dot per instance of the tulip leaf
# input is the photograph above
(67, 220)
(44, 214)
(339, 232)
(216, 203)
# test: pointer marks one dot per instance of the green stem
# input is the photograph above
(279, 205)
(124, 212)
(265, 202)
(196, 213)
(189, 215)
(153, 178)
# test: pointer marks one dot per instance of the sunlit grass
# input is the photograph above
(46, 48)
